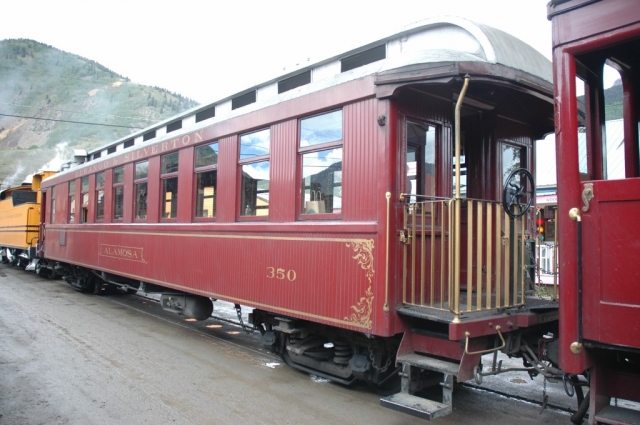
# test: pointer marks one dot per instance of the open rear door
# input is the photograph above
(611, 261)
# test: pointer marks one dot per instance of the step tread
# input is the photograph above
(416, 406)
(618, 415)
(429, 363)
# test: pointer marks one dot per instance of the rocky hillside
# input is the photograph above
(52, 102)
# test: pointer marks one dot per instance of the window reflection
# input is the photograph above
(255, 144)
(322, 181)
(255, 189)
(323, 128)
(206, 194)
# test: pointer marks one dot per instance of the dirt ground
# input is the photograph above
(71, 358)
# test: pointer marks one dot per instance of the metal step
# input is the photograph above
(618, 415)
(416, 406)
(429, 363)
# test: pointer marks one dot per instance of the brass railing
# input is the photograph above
(462, 255)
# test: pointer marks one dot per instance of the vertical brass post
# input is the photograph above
(457, 197)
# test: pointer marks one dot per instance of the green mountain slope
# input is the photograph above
(50, 98)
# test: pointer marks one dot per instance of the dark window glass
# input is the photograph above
(170, 197)
(176, 125)
(207, 155)
(206, 114)
(84, 184)
(118, 175)
(118, 193)
(100, 205)
(99, 180)
(149, 135)
(97, 155)
(141, 201)
(206, 194)
(118, 202)
(142, 170)
(363, 58)
(295, 81)
(170, 163)
(128, 143)
(111, 150)
(243, 100)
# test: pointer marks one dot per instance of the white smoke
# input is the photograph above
(62, 155)
(8, 181)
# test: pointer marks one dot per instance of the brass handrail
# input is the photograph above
(490, 350)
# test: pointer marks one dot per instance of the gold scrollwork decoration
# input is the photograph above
(587, 196)
(361, 314)
(364, 256)
(362, 310)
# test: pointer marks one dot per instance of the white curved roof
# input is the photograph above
(446, 39)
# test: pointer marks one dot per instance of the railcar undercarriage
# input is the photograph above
(339, 355)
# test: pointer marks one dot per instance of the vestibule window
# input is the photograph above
(512, 159)
(169, 176)
(421, 160)
(320, 150)
(255, 170)
(142, 174)
(206, 180)
(72, 201)
(100, 196)
(118, 193)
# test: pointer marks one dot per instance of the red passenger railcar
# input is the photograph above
(356, 204)
(599, 201)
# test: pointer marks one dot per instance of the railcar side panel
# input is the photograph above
(329, 278)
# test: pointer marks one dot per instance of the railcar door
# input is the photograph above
(610, 208)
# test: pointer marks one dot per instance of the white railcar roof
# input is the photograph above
(446, 39)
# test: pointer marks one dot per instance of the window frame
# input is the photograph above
(72, 202)
(136, 182)
(202, 170)
(115, 185)
(164, 177)
(53, 205)
(253, 160)
(99, 189)
(301, 152)
(85, 199)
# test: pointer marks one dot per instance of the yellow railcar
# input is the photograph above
(20, 220)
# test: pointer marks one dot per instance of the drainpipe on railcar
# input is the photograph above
(456, 270)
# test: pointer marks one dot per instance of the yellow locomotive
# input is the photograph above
(20, 221)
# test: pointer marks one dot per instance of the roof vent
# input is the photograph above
(363, 58)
